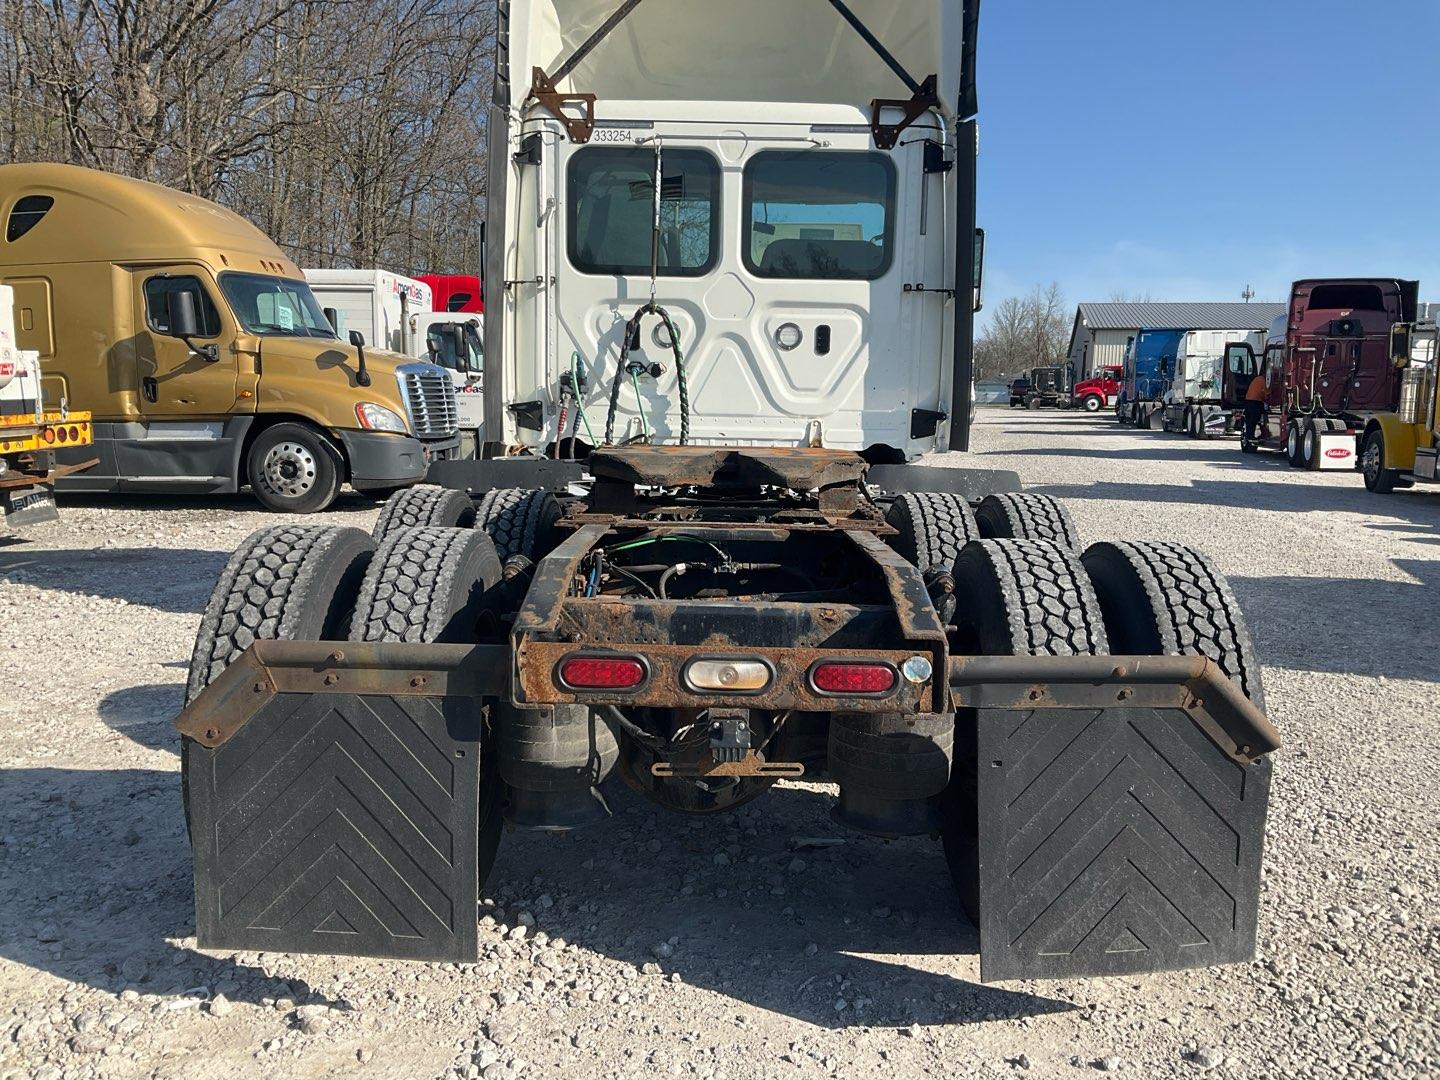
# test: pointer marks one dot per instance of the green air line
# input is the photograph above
(579, 397)
(640, 405)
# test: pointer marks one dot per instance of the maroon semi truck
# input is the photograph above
(1328, 372)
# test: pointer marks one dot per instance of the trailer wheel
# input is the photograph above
(1165, 599)
(1372, 465)
(428, 584)
(931, 528)
(1022, 516)
(520, 521)
(293, 469)
(1024, 598)
(424, 504)
(284, 583)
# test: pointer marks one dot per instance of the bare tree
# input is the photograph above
(1024, 332)
(349, 130)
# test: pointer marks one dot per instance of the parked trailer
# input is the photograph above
(1149, 364)
(200, 350)
(1194, 402)
(1402, 448)
(34, 423)
(700, 614)
(1330, 373)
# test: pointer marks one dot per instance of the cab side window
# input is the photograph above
(157, 304)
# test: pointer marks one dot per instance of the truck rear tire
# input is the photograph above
(293, 469)
(427, 584)
(931, 528)
(424, 504)
(1310, 447)
(284, 583)
(1022, 516)
(519, 521)
(1026, 598)
(1164, 599)
(1033, 403)
(1292, 444)
(1378, 479)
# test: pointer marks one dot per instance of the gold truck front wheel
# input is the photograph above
(293, 469)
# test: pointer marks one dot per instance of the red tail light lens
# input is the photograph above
(836, 677)
(602, 672)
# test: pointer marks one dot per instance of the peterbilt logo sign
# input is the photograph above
(1338, 452)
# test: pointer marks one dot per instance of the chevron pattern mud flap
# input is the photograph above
(1114, 841)
(340, 823)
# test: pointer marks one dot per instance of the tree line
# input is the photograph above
(1024, 332)
(351, 131)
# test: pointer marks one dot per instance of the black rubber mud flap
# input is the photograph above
(337, 822)
(1114, 841)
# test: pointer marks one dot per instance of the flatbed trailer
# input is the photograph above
(700, 616)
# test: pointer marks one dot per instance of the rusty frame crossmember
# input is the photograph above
(270, 668)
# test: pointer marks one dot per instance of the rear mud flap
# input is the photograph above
(336, 809)
(1118, 839)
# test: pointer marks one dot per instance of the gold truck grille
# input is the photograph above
(430, 399)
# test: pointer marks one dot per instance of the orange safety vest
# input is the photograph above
(1256, 392)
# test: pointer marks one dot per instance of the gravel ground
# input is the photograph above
(733, 946)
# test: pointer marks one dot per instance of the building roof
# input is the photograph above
(1178, 316)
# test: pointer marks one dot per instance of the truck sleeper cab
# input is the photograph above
(1194, 402)
(200, 351)
(1327, 368)
(1148, 368)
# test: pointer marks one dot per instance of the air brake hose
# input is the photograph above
(631, 333)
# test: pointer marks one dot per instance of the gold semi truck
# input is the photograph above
(204, 358)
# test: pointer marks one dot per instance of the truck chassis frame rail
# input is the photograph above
(1121, 805)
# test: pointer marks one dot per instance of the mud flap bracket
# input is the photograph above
(1121, 816)
(336, 807)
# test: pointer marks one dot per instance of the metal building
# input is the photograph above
(1103, 332)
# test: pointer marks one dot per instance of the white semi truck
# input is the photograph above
(742, 236)
(1193, 403)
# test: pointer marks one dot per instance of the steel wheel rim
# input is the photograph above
(289, 469)
(1309, 444)
(1370, 463)
(1292, 442)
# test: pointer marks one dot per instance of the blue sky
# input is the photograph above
(1185, 149)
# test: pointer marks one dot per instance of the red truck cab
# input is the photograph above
(454, 292)
(1100, 390)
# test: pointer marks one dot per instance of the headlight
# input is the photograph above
(378, 418)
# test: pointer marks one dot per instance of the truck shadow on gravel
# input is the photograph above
(1308, 623)
(146, 714)
(1243, 495)
(97, 890)
(166, 579)
(96, 886)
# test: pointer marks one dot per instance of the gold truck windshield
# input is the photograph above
(275, 306)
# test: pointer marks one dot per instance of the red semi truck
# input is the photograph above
(1100, 390)
(455, 292)
(1329, 372)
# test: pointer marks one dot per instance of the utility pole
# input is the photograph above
(1248, 294)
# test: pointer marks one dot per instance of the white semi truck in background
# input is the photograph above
(1193, 402)
(396, 312)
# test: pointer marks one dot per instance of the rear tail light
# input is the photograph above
(602, 672)
(843, 677)
(728, 676)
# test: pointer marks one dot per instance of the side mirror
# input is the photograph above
(180, 308)
(332, 316)
(979, 268)
(1400, 344)
(357, 339)
(362, 375)
(461, 346)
